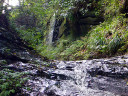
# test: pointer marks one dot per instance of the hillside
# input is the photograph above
(74, 30)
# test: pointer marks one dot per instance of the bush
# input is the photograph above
(114, 44)
(11, 82)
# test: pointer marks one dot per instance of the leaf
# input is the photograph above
(18, 85)
(12, 91)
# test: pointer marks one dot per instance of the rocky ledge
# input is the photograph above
(97, 77)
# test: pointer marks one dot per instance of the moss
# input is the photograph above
(62, 28)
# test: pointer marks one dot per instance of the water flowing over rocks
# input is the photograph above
(97, 77)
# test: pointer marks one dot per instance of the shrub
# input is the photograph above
(11, 82)
(114, 44)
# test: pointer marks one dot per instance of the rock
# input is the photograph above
(77, 24)
(97, 77)
(62, 28)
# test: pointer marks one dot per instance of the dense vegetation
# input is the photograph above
(109, 37)
(11, 82)
(65, 30)
(103, 34)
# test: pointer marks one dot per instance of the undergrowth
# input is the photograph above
(11, 82)
(106, 39)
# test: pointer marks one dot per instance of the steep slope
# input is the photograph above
(11, 45)
(95, 29)
(72, 30)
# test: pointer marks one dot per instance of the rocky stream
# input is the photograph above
(97, 77)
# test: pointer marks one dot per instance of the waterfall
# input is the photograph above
(51, 30)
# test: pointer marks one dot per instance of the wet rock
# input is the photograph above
(97, 77)
(51, 93)
(53, 76)
(69, 68)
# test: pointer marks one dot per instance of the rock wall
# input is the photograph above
(78, 23)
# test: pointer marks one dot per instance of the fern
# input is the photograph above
(11, 81)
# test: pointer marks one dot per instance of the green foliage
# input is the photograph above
(11, 82)
(32, 36)
(111, 8)
(114, 44)
(70, 52)
(107, 38)
(3, 62)
(53, 52)
(96, 41)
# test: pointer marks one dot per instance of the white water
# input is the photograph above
(76, 78)
(51, 30)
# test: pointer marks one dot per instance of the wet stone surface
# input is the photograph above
(97, 77)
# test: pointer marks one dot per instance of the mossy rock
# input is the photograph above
(62, 28)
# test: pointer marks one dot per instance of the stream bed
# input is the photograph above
(97, 77)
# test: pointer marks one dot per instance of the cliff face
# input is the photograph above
(82, 18)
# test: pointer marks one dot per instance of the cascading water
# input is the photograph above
(51, 29)
(97, 77)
